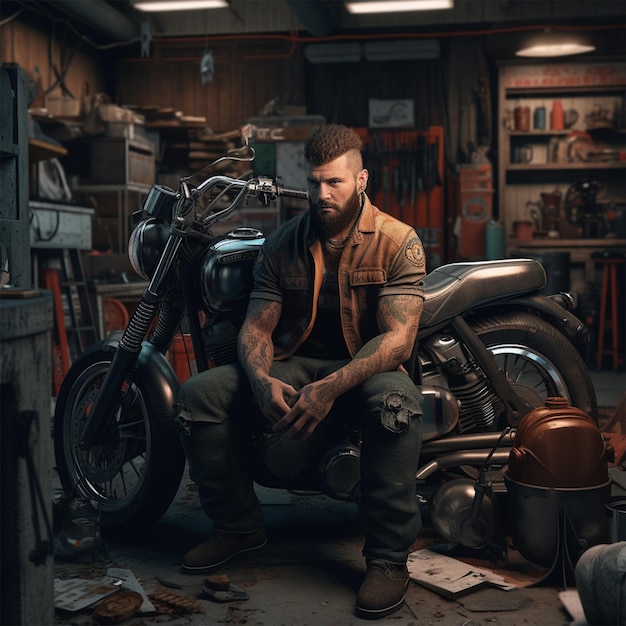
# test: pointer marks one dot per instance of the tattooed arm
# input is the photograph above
(256, 353)
(398, 318)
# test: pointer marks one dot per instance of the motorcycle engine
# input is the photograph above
(333, 469)
(220, 341)
(480, 408)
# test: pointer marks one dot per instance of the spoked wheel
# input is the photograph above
(134, 467)
(538, 360)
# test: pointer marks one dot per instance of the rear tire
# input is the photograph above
(132, 470)
(538, 359)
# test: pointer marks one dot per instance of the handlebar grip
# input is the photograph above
(292, 192)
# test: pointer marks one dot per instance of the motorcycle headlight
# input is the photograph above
(145, 246)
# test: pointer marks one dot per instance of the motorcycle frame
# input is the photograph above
(184, 222)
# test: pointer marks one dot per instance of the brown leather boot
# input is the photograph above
(382, 591)
(221, 547)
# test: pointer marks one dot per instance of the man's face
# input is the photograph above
(334, 195)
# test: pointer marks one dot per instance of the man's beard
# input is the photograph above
(330, 225)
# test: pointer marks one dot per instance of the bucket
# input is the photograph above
(545, 521)
(616, 514)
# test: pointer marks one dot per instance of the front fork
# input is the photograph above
(128, 350)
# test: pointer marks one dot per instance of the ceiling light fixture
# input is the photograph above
(179, 5)
(398, 6)
(551, 44)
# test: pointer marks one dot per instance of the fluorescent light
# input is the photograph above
(554, 44)
(179, 5)
(554, 50)
(398, 6)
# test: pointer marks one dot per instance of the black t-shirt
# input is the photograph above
(326, 339)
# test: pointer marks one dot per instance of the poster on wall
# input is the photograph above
(391, 114)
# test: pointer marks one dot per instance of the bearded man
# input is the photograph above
(332, 318)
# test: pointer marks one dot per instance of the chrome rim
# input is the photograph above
(112, 470)
(532, 373)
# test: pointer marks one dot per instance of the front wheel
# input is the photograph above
(135, 466)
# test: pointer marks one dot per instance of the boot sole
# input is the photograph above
(206, 568)
(378, 613)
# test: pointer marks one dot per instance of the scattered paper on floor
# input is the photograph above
(450, 576)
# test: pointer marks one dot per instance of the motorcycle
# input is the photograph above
(490, 348)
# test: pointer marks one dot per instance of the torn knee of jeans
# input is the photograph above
(183, 418)
(395, 414)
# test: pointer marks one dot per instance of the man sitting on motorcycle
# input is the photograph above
(332, 317)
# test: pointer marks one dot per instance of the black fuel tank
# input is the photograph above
(226, 271)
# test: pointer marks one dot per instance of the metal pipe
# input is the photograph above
(470, 441)
(102, 17)
(463, 457)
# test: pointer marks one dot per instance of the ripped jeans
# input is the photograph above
(215, 407)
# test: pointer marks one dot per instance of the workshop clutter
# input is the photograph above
(406, 180)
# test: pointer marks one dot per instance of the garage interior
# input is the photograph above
(487, 153)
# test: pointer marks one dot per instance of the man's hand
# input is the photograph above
(274, 397)
(308, 408)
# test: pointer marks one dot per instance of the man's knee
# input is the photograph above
(209, 396)
(393, 399)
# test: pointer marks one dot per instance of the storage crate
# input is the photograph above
(112, 161)
(122, 161)
(55, 225)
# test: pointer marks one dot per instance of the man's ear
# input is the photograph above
(361, 179)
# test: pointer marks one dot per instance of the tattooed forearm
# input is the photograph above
(398, 319)
(254, 345)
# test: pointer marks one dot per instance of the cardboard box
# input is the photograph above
(114, 113)
(60, 106)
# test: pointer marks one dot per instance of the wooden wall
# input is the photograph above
(247, 75)
(42, 54)
(250, 73)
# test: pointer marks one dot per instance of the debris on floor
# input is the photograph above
(128, 580)
(173, 603)
(449, 576)
(220, 589)
(117, 608)
(76, 594)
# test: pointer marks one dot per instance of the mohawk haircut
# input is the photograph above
(329, 142)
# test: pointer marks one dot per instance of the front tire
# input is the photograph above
(135, 466)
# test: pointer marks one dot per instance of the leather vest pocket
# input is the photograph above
(365, 283)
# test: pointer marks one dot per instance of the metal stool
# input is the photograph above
(609, 265)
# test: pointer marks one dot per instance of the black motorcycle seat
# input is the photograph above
(457, 287)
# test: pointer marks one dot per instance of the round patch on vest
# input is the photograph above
(414, 251)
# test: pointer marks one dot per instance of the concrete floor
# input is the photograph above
(309, 572)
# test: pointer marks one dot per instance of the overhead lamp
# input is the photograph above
(551, 44)
(156, 6)
(398, 6)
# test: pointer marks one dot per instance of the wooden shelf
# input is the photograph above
(39, 150)
(581, 86)
(608, 242)
(609, 165)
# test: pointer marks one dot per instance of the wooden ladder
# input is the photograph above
(74, 321)
(82, 330)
